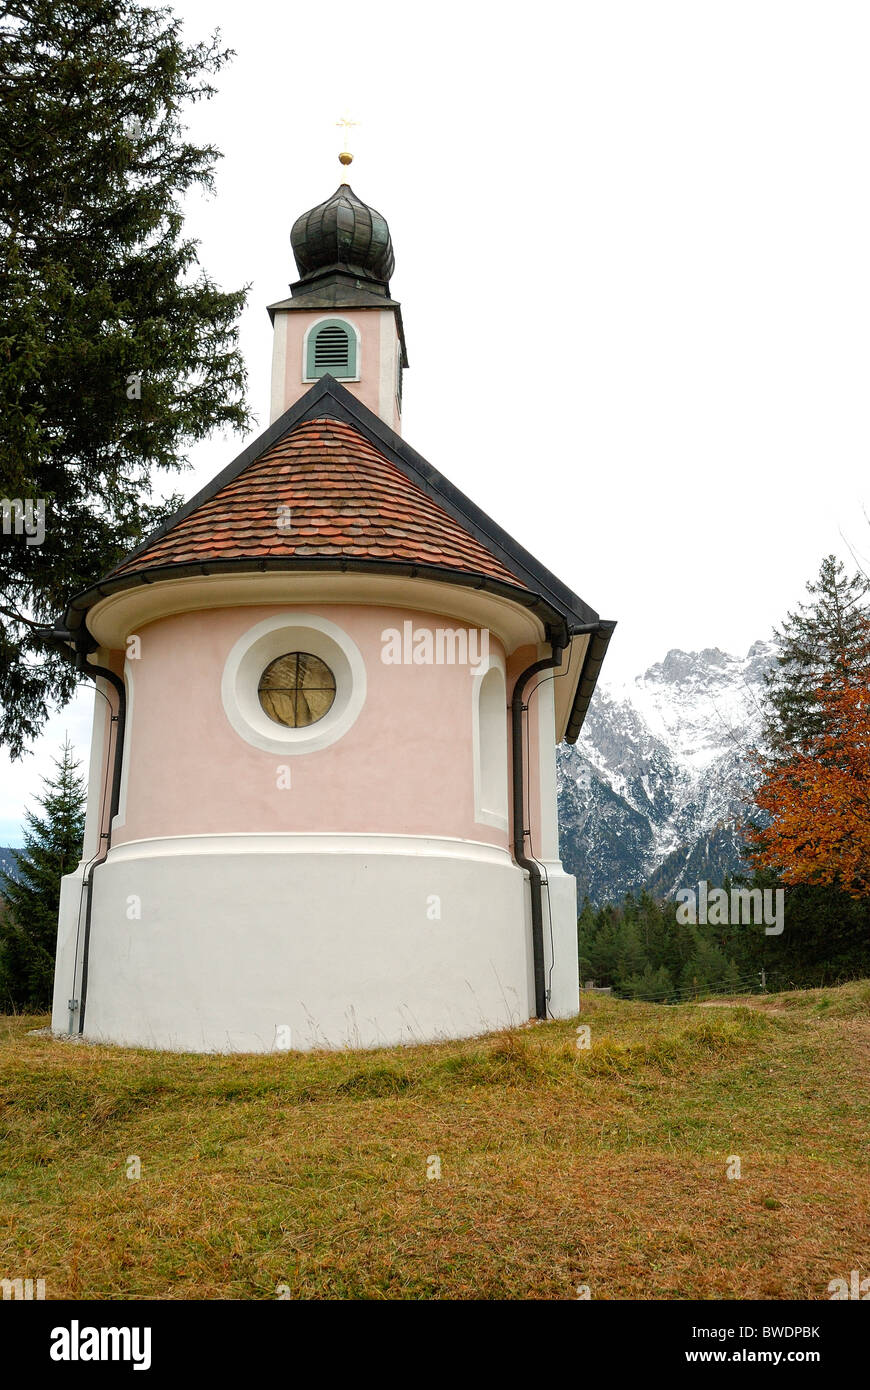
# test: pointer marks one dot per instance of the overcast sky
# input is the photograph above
(633, 254)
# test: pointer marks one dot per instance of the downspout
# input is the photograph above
(59, 638)
(519, 817)
(547, 663)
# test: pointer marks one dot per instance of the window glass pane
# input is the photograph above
(297, 689)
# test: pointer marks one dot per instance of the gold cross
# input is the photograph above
(346, 123)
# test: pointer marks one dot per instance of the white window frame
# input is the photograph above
(495, 816)
(287, 632)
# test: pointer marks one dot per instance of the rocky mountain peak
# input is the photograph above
(659, 775)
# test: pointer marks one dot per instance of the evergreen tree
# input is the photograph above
(811, 830)
(631, 958)
(28, 928)
(709, 970)
(825, 940)
(826, 641)
(116, 352)
(601, 948)
(640, 949)
(653, 985)
(585, 934)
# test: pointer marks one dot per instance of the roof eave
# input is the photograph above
(77, 610)
(596, 651)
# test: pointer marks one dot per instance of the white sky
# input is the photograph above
(633, 254)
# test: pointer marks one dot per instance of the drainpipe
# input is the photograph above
(548, 663)
(520, 832)
(59, 638)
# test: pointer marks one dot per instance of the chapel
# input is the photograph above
(322, 787)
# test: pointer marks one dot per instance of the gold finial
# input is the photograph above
(346, 157)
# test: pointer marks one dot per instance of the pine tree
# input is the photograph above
(814, 787)
(117, 352)
(631, 957)
(827, 640)
(709, 970)
(585, 937)
(28, 928)
(600, 947)
(656, 986)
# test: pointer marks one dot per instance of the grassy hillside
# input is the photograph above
(559, 1167)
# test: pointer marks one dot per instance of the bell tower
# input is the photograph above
(340, 318)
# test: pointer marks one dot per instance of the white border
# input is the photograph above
(549, 846)
(292, 631)
(483, 816)
(339, 842)
(97, 768)
(121, 818)
(278, 388)
(388, 340)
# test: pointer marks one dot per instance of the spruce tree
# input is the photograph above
(709, 970)
(631, 956)
(825, 640)
(28, 927)
(655, 986)
(811, 829)
(585, 937)
(117, 351)
(600, 947)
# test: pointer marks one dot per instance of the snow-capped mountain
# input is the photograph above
(650, 793)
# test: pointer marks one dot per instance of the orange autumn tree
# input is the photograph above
(816, 797)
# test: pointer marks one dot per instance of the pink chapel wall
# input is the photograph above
(404, 767)
(368, 324)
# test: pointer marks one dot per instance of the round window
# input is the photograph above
(293, 683)
(296, 689)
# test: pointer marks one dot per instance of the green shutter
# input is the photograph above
(332, 349)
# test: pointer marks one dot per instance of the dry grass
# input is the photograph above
(559, 1167)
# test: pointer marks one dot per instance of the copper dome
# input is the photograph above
(343, 233)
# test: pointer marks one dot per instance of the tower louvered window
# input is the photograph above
(332, 349)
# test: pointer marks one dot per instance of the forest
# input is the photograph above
(806, 831)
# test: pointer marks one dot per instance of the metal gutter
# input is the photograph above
(589, 672)
(519, 817)
(79, 605)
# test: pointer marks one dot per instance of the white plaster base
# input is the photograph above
(329, 936)
(67, 963)
(560, 951)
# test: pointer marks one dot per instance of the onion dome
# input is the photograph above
(343, 233)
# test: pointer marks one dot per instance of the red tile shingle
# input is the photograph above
(345, 498)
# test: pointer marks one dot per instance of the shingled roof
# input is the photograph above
(359, 498)
(322, 490)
